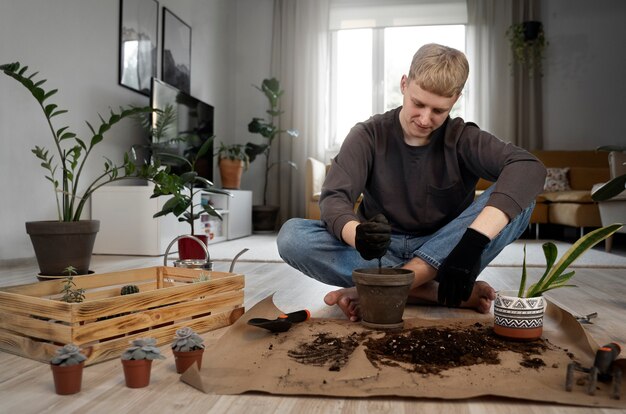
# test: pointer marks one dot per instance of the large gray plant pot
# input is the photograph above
(59, 244)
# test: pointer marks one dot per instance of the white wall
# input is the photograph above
(584, 87)
(74, 44)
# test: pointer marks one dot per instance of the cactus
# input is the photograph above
(186, 339)
(68, 355)
(143, 348)
(129, 290)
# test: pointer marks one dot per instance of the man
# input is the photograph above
(417, 170)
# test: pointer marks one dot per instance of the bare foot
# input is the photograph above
(348, 301)
(482, 297)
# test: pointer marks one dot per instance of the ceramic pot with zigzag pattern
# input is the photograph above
(518, 318)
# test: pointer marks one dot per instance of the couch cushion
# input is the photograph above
(583, 178)
(556, 180)
(574, 214)
(571, 196)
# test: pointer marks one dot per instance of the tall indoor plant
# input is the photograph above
(264, 217)
(519, 314)
(69, 240)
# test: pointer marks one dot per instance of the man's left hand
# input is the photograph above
(459, 270)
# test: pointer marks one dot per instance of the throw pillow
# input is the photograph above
(556, 180)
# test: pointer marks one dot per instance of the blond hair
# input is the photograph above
(439, 69)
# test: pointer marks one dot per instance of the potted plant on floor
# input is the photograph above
(264, 217)
(70, 240)
(67, 369)
(137, 362)
(519, 314)
(187, 348)
(183, 189)
(232, 161)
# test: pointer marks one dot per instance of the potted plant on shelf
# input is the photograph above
(528, 44)
(187, 348)
(232, 161)
(184, 188)
(264, 217)
(70, 240)
(137, 362)
(67, 369)
(519, 314)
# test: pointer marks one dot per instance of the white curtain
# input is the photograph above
(300, 63)
(503, 99)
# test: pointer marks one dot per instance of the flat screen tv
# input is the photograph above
(194, 122)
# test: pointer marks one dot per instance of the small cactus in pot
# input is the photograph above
(67, 369)
(188, 347)
(129, 290)
(137, 361)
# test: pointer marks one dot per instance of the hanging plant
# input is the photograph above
(528, 44)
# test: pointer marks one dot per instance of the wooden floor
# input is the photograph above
(26, 386)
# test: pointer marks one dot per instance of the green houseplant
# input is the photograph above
(264, 217)
(519, 314)
(528, 44)
(187, 348)
(232, 161)
(137, 361)
(184, 190)
(614, 186)
(67, 369)
(64, 165)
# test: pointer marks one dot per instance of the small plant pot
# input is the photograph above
(382, 296)
(186, 359)
(191, 249)
(137, 372)
(230, 173)
(518, 318)
(67, 379)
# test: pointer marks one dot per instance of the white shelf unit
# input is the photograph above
(128, 228)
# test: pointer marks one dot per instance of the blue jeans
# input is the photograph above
(306, 245)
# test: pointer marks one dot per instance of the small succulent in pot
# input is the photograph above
(129, 290)
(142, 348)
(186, 339)
(68, 355)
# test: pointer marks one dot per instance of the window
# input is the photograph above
(366, 67)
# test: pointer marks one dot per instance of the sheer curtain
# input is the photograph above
(300, 63)
(503, 99)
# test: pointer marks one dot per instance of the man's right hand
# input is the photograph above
(373, 237)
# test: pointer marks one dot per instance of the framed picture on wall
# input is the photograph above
(139, 21)
(176, 56)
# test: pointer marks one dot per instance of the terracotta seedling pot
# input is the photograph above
(186, 359)
(518, 318)
(137, 372)
(67, 379)
(382, 296)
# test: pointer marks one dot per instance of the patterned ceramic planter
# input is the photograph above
(518, 318)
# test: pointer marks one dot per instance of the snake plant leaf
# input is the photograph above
(522, 284)
(583, 244)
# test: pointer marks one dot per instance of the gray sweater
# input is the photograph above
(420, 189)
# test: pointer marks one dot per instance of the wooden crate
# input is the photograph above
(34, 322)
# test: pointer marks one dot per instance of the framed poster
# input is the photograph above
(139, 21)
(176, 56)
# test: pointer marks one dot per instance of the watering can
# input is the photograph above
(204, 264)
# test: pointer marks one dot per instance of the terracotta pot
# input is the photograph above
(264, 218)
(137, 372)
(230, 173)
(518, 318)
(59, 244)
(382, 296)
(67, 379)
(186, 359)
(191, 249)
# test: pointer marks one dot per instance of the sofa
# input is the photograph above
(568, 202)
(565, 202)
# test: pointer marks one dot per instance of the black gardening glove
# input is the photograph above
(459, 271)
(373, 237)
